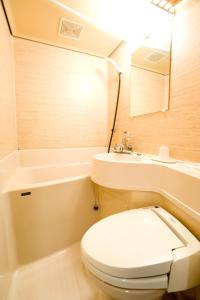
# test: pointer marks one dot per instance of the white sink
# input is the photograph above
(122, 171)
(132, 172)
(116, 157)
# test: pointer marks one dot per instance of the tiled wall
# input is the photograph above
(179, 128)
(8, 143)
(8, 136)
(61, 97)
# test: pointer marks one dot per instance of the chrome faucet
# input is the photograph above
(125, 138)
(124, 147)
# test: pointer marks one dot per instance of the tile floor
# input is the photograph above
(60, 276)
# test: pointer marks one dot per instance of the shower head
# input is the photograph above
(114, 64)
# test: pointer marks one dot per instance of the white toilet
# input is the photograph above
(141, 254)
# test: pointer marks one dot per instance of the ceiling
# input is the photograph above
(39, 20)
(104, 23)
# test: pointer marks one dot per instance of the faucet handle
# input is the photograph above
(118, 148)
(130, 147)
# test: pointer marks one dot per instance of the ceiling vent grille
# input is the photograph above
(68, 29)
(155, 57)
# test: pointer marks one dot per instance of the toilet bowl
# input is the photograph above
(141, 254)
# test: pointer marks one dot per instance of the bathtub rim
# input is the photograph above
(9, 187)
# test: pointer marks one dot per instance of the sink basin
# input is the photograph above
(122, 171)
(117, 157)
(132, 172)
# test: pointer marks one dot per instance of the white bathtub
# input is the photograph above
(39, 168)
(52, 199)
(35, 177)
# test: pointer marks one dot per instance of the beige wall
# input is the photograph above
(8, 143)
(179, 128)
(61, 97)
(8, 137)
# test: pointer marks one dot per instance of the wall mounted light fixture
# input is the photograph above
(168, 5)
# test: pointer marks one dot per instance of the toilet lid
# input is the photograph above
(131, 244)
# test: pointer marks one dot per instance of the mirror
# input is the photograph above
(150, 73)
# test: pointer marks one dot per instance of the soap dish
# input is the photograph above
(169, 161)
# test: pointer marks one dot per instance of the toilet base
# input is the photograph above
(126, 294)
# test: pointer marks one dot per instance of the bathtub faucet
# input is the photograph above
(124, 147)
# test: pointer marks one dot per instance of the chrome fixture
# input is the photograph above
(124, 147)
(114, 64)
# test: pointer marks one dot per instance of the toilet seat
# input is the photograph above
(131, 244)
(154, 282)
(142, 249)
(129, 294)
